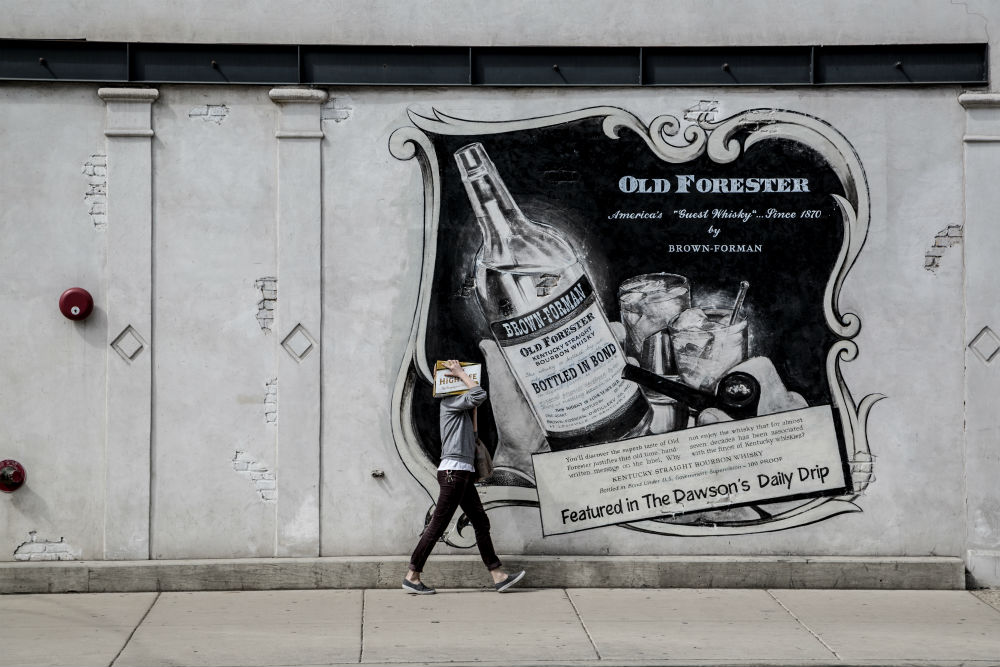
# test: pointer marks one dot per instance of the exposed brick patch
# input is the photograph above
(212, 113)
(96, 196)
(40, 549)
(268, 287)
(703, 111)
(263, 480)
(337, 109)
(862, 471)
(946, 238)
(271, 401)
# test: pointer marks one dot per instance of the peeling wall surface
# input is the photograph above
(252, 187)
(35, 549)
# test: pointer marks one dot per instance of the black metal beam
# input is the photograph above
(268, 64)
(385, 65)
(217, 63)
(902, 64)
(516, 66)
(63, 61)
(729, 66)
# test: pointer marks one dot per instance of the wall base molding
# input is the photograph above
(984, 568)
(840, 572)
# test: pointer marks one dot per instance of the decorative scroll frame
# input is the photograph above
(674, 143)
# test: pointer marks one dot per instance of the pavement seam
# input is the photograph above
(583, 624)
(131, 634)
(361, 647)
(804, 625)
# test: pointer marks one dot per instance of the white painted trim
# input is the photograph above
(147, 95)
(297, 96)
(129, 307)
(979, 100)
(299, 314)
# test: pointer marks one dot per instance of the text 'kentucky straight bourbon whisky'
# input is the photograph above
(543, 312)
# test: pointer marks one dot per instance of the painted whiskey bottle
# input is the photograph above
(545, 315)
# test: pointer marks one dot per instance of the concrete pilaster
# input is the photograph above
(982, 336)
(128, 132)
(298, 321)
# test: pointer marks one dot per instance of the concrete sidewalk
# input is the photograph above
(576, 626)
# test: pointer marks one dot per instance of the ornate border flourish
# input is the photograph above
(723, 141)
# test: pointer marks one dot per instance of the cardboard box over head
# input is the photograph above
(446, 385)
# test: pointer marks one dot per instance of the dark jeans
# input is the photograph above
(458, 489)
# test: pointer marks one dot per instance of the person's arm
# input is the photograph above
(472, 398)
(455, 370)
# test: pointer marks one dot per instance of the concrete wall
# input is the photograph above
(230, 408)
(214, 238)
(915, 194)
(54, 394)
(646, 22)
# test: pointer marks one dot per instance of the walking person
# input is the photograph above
(457, 478)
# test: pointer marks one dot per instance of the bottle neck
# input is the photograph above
(498, 215)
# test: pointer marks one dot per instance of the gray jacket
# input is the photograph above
(457, 439)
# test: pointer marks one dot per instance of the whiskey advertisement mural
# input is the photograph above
(657, 310)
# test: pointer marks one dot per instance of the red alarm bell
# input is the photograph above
(76, 303)
(12, 476)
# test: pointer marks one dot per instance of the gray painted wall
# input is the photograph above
(512, 22)
(217, 438)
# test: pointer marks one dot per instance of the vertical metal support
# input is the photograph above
(982, 336)
(128, 131)
(299, 319)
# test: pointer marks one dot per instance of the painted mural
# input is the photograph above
(657, 310)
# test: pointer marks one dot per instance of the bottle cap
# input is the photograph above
(472, 160)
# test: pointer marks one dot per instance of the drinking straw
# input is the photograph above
(744, 285)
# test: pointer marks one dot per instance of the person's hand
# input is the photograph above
(774, 395)
(455, 370)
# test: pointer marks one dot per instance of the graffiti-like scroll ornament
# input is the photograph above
(658, 309)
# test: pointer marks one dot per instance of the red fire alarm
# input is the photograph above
(76, 303)
(12, 476)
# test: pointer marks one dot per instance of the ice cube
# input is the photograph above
(692, 318)
(676, 292)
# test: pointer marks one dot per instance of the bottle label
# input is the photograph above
(568, 362)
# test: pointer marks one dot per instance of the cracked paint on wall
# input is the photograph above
(946, 238)
(96, 195)
(210, 113)
(268, 288)
(263, 480)
(36, 549)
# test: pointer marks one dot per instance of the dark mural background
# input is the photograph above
(567, 176)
